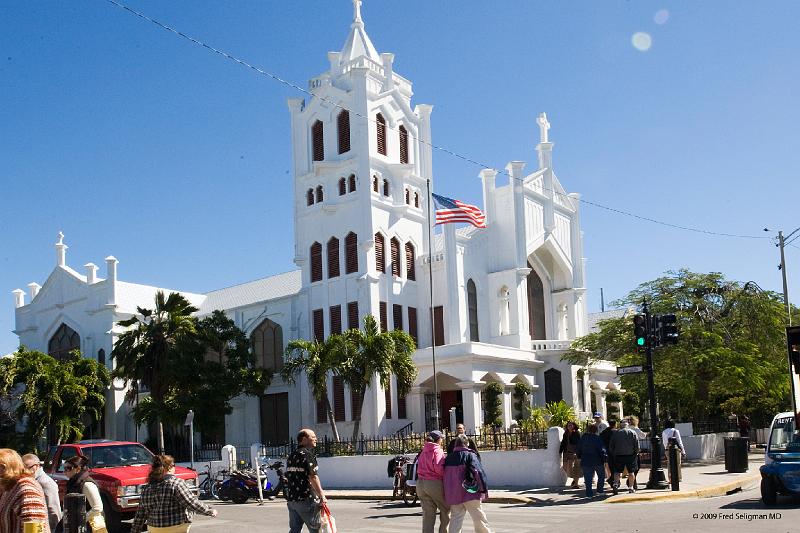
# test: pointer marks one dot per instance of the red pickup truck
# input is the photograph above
(119, 468)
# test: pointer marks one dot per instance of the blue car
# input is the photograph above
(781, 471)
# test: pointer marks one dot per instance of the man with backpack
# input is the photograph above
(624, 449)
(430, 472)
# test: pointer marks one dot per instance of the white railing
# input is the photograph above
(540, 345)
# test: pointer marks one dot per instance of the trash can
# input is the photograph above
(736, 449)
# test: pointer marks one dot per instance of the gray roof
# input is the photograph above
(595, 318)
(278, 286)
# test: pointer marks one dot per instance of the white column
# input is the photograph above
(19, 298)
(600, 398)
(508, 406)
(488, 176)
(619, 409)
(453, 309)
(515, 180)
(415, 405)
(473, 410)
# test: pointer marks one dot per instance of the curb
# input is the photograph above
(374, 496)
(707, 492)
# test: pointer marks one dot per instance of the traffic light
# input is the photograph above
(793, 342)
(668, 332)
(640, 330)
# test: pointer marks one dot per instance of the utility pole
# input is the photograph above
(781, 245)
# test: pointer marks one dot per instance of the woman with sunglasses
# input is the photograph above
(21, 497)
(80, 482)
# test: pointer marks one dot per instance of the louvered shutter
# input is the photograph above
(320, 195)
(351, 253)
(352, 315)
(383, 317)
(351, 183)
(403, 144)
(408, 197)
(375, 183)
(438, 326)
(394, 245)
(322, 415)
(342, 186)
(338, 399)
(386, 187)
(397, 316)
(319, 325)
(335, 313)
(343, 123)
(318, 141)
(411, 267)
(412, 324)
(310, 197)
(381, 127)
(356, 398)
(380, 256)
(401, 407)
(333, 258)
(316, 262)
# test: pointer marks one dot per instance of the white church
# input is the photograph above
(507, 299)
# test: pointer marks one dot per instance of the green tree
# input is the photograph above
(493, 403)
(317, 360)
(143, 352)
(364, 354)
(522, 400)
(50, 393)
(731, 346)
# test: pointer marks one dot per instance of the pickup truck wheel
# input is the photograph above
(113, 518)
(769, 494)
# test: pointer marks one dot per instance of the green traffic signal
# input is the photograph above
(640, 329)
(640, 341)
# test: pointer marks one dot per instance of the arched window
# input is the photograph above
(316, 262)
(320, 195)
(342, 186)
(403, 144)
(310, 197)
(472, 305)
(416, 199)
(411, 271)
(394, 246)
(318, 141)
(380, 255)
(552, 386)
(385, 187)
(408, 197)
(351, 183)
(351, 253)
(63, 341)
(375, 183)
(333, 257)
(267, 341)
(343, 123)
(536, 322)
(381, 127)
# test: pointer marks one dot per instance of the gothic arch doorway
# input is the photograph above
(63, 341)
(552, 386)
(267, 341)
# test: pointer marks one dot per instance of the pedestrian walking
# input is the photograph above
(79, 481)
(568, 450)
(624, 448)
(601, 424)
(644, 444)
(49, 488)
(304, 494)
(461, 430)
(605, 436)
(671, 432)
(430, 488)
(166, 503)
(465, 487)
(593, 455)
(21, 497)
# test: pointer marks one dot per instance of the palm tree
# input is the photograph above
(141, 353)
(317, 359)
(371, 352)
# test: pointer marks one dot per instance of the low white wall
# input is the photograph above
(520, 468)
(705, 446)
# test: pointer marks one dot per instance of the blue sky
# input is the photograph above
(139, 144)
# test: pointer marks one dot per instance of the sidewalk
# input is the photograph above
(700, 480)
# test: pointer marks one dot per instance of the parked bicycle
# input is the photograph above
(404, 484)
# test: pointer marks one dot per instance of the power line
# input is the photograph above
(457, 155)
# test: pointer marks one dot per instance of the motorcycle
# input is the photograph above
(243, 484)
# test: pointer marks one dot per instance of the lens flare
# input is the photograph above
(642, 41)
(661, 16)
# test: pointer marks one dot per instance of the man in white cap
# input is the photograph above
(601, 424)
(49, 487)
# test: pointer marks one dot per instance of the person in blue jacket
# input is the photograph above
(593, 456)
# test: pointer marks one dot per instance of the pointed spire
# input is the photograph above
(358, 42)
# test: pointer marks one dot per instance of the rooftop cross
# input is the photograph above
(543, 127)
(60, 237)
(357, 11)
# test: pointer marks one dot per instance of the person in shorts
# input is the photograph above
(304, 494)
(624, 450)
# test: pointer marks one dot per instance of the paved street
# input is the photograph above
(727, 513)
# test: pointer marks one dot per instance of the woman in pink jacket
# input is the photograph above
(430, 471)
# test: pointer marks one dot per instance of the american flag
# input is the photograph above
(449, 210)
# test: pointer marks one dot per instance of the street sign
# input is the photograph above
(636, 369)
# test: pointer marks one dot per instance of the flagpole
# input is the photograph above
(433, 324)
